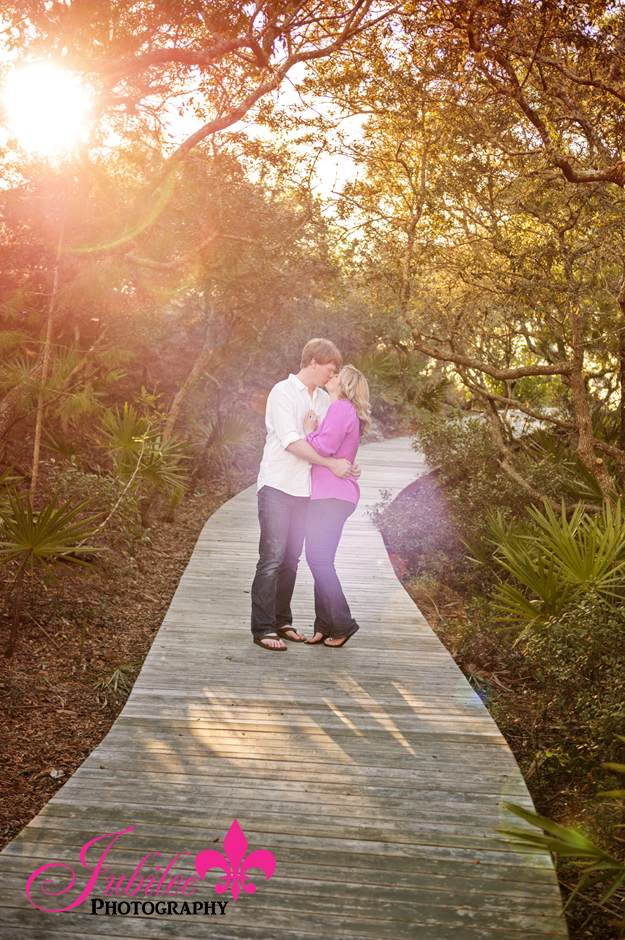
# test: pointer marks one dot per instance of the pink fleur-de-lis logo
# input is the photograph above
(235, 845)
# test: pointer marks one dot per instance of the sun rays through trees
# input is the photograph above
(437, 186)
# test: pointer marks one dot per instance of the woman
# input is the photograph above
(332, 500)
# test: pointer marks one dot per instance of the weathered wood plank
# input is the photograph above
(375, 775)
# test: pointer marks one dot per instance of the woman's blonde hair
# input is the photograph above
(353, 386)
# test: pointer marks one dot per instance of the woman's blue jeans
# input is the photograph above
(282, 520)
(324, 525)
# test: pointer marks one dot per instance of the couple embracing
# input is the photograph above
(307, 425)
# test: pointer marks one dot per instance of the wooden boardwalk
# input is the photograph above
(374, 774)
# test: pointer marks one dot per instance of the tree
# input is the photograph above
(496, 264)
(206, 62)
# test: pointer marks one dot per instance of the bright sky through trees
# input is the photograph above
(46, 107)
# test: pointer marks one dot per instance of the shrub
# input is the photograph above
(139, 451)
(107, 493)
(580, 672)
(470, 474)
(560, 576)
(475, 484)
(34, 541)
(143, 459)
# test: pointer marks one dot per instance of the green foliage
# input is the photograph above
(221, 437)
(562, 587)
(33, 541)
(56, 444)
(382, 371)
(599, 866)
(574, 480)
(161, 465)
(578, 664)
(45, 538)
(126, 438)
(557, 561)
(118, 680)
(17, 370)
(431, 396)
(139, 452)
(7, 483)
(472, 479)
(224, 435)
(108, 495)
(559, 578)
(174, 501)
(398, 380)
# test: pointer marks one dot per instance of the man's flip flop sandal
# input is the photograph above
(269, 636)
(283, 633)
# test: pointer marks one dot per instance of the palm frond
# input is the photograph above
(599, 866)
(555, 559)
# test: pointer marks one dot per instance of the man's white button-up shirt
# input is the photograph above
(287, 405)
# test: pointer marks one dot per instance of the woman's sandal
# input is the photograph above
(269, 636)
(283, 633)
(337, 646)
(313, 642)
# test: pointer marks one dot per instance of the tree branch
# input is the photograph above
(556, 368)
(190, 57)
(352, 28)
(608, 87)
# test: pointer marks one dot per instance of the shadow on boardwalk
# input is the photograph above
(373, 774)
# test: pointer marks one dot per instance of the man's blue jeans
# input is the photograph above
(282, 520)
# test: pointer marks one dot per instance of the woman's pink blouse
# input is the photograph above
(338, 435)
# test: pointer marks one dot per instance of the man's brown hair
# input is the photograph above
(322, 351)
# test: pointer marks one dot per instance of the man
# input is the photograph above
(284, 491)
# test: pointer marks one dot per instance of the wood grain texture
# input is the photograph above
(374, 774)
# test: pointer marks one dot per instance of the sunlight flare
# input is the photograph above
(46, 107)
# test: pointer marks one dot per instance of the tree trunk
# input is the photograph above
(17, 609)
(621, 357)
(145, 505)
(585, 446)
(45, 368)
(13, 401)
(200, 364)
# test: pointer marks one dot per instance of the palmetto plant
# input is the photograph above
(7, 484)
(222, 436)
(136, 445)
(228, 433)
(383, 373)
(118, 680)
(125, 437)
(57, 444)
(161, 465)
(41, 540)
(557, 561)
(142, 457)
(599, 867)
(576, 480)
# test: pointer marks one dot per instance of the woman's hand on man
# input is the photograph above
(310, 422)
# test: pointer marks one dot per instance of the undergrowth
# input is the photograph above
(557, 692)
